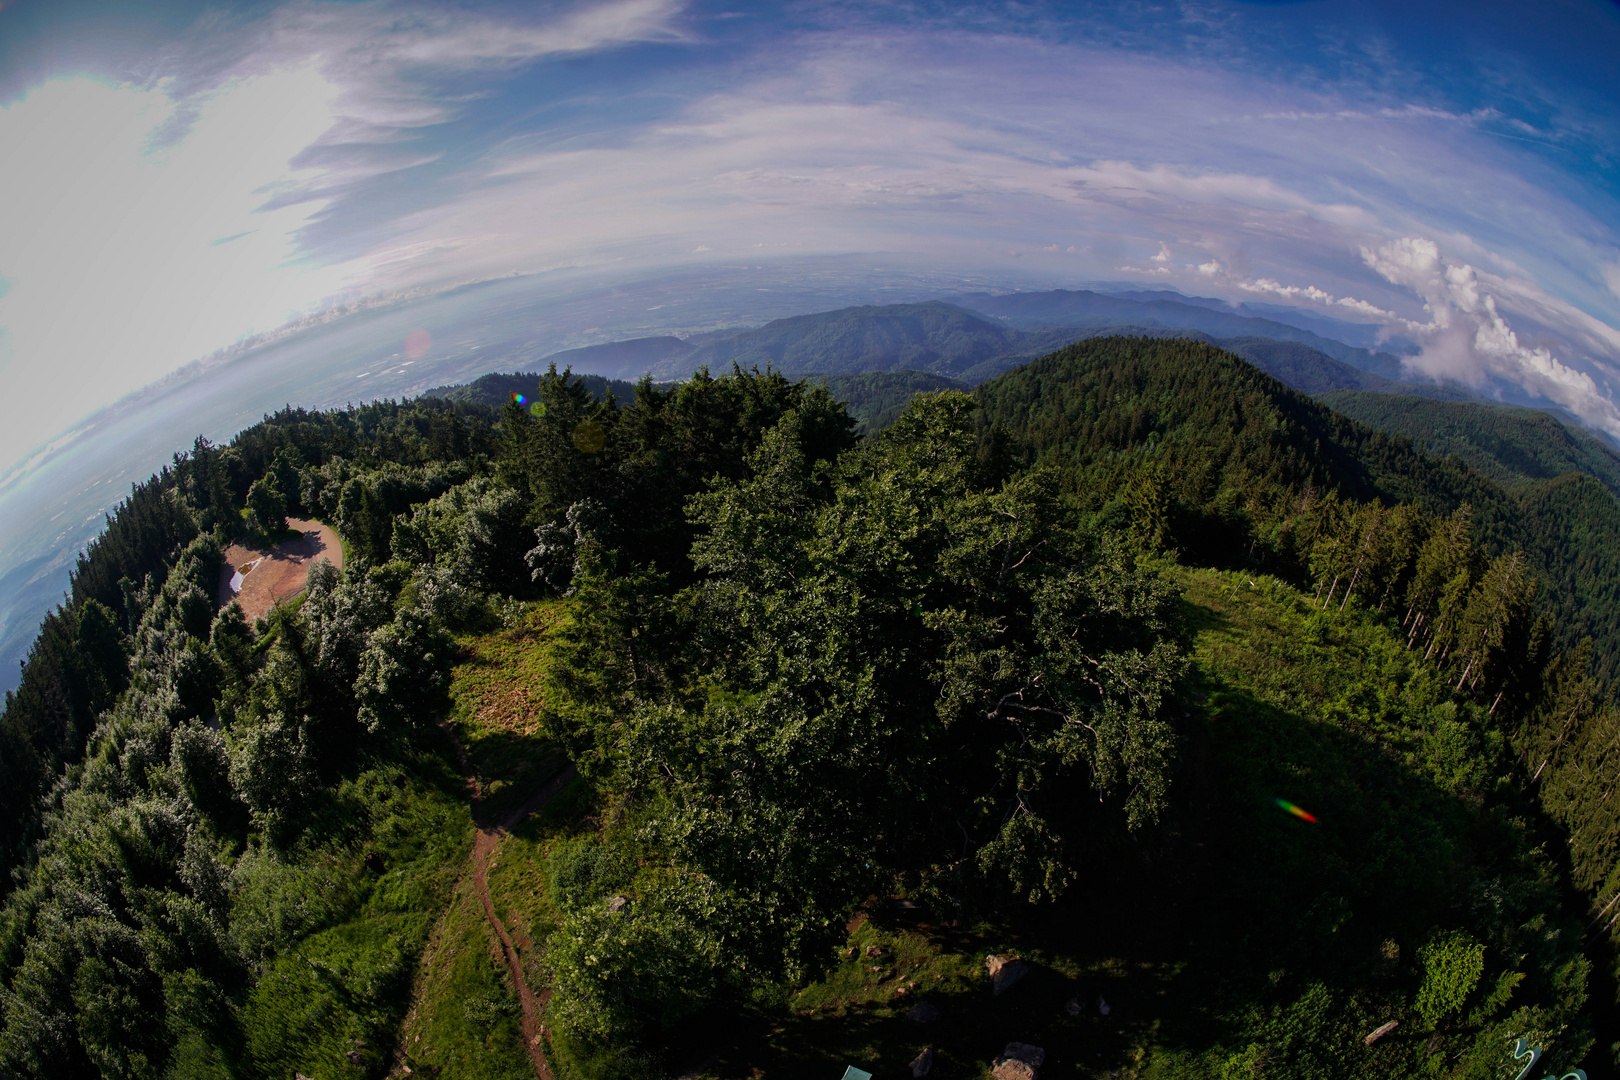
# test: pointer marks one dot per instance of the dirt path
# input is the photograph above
(485, 844)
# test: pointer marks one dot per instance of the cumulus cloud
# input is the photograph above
(1311, 293)
(1469, 340)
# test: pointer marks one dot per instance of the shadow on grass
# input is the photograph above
(1234, 935)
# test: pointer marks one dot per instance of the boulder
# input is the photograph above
(1005, 971)
(922, 1013)
(617, 904)
(1012, 1069)
(923, 1063)
(1019, 1061)
(1073, 1007)
(1033, 1056)
(1102, 1006)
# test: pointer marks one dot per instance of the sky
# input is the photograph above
(180, 178)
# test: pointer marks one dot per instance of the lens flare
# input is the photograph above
(417, 343)
(589, 436)
(519, 398)
(1296, 811)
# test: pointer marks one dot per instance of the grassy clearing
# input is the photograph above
(498, 691)
(465, 1020)
(344, 932)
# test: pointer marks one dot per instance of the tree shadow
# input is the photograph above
(1235, 924)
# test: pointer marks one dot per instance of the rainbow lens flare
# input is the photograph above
(519, 398)
(1296, 811)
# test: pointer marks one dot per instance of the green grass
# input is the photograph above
(464, 1019)
(342, 940)
(498, 690)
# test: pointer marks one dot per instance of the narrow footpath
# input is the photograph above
(485, 844)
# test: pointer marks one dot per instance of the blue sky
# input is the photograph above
(184, 175)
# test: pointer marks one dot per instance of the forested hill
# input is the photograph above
(496, 389)
(877, 398)
(1509, 444)
(699, 735)
(1083, 308)
(961, 341)
(1223, 452)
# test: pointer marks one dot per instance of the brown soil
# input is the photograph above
(280, 571)
(485, 844)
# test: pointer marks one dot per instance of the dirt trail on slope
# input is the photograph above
(485, 844)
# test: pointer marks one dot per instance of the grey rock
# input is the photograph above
(617, 904)
(1033, 1056)
(922, 1013)
(923, 1063)
(1004, 971)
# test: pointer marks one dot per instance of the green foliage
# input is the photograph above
(875, 399)
(629, 975)
(826, 704)
(1452, 966)
(800, 674)
(1512, 446)
(404, 675)
(267, 502)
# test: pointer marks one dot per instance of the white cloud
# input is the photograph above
(1468, 338)
(1308, 292)
(1611, 276)
(1164, 253)
(113, 244)
(145, 227)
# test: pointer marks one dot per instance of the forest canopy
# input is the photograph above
(1038, 663)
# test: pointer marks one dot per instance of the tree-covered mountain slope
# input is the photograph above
(701, 736)
(1226, 463)
(1083, 308)
(877, 398)
(933, 336)
(1509, 444)
(496, 389)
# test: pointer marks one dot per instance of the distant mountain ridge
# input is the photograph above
(974, 337)
(1083, 308)
(496, 389)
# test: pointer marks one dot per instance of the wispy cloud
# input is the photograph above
(147, 226)
(322, 154)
